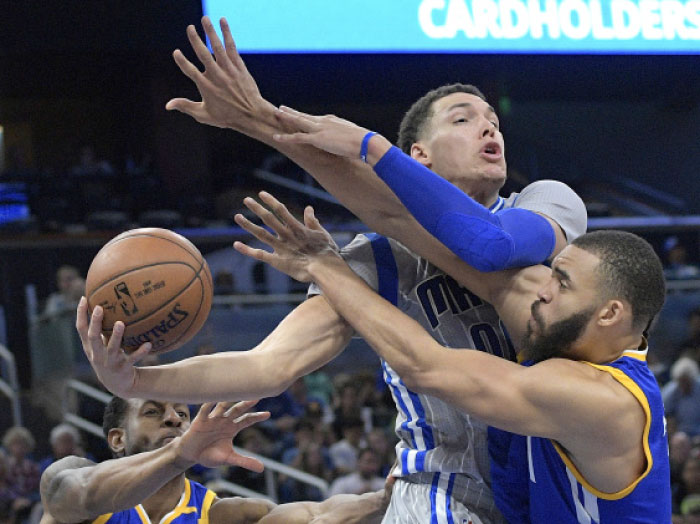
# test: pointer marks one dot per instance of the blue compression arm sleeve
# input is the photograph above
(487, 241)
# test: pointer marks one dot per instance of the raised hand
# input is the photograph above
(113, 366)
(230, 96)
(209, 439)
(295, 245)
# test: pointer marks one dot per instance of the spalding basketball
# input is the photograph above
(156, 282)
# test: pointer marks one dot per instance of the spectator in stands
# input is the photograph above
(691, 479)
(309, 460)
(224, 283)
(23, 472)
(347, 406)
(7, 494)
(691, 345)
(364, 480)
(253, 440)
(679, 448)
(681, 396)
(378, 441)
(677, 266)
(65, 440)
(284, 410)
(344, 453)
(71, 286)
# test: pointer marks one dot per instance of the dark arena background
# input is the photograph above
(87, 150)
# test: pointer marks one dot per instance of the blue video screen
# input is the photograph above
(462, 26)
(13, 202)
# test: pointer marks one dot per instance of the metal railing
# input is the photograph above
(9, 385)
(71, 416)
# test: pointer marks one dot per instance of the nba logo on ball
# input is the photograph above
(156, 282)
(125, 300)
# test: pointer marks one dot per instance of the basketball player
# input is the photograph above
(436, 440)
(153, 444)
(596, 444)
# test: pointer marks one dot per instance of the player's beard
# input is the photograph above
(557, 339)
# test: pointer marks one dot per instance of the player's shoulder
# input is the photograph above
(546, 186)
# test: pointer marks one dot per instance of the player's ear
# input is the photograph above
(613, 312)
(421, 153)
(116, 439)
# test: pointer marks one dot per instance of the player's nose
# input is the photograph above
(171, 417)
(545, 293)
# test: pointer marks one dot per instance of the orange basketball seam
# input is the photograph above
(151, 235)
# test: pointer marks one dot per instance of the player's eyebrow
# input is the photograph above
(469, 104)
(562, 274)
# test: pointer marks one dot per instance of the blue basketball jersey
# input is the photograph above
(559, 493)
(193, 508)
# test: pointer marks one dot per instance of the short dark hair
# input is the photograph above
(629, 269)
(114, 415)
(415, 118)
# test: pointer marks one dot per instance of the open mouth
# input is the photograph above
(491, 151)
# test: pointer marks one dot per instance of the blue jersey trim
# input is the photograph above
(433, 499)
(388, 288)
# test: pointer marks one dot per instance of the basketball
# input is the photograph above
(156, 282)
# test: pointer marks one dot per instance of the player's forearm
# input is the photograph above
(305, 340)
(75, 495)
(233, 375)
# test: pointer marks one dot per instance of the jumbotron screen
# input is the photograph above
(462, 26)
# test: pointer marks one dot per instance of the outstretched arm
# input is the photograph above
(543, 400)
(75, 489)
(305, 340)
(230, 98)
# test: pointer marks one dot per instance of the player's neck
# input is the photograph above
(165, 499)
(484, 196)
(612, 349)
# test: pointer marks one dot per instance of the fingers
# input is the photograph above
(140, 353)
(222, 59)
(267, 217)
(115, 340)
(257, 254)
(241, 461)
(187, 67)
(204, 410)
(296, 120)
(279, 209)
(221, 409)
(290, 112)
(258, 232)
(231, 50)
(292, 138)
(81, 319)
(240, 407)
(95, 328)
(249, 419)
(184, 105)
(200, 49)
(310, 219)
